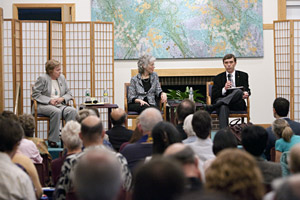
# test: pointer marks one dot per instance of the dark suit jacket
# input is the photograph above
(118, 135)
(295, 126)
(241, 79)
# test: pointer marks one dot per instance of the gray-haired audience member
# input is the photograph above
(82, 114)
(202, 125)
(189, 163)
(97, 176)
(185, 108)
(223, 139)
(138, 151)
(254, 141)
(188, 129)
(286, 188)
(159, 179)
(14, 182)
(119, 133)
(72, 143)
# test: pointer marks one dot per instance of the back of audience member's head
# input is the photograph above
(164, 134)
(70, 135)
(281, 106)
(9, 115)
(187, 126)
(294, 159)
(149, 118)
(282, 129)
(224, 139)
(185, 108)
(201, 123)
(159, 179)
(235, 172)
(91, 128)
(118, 116)
(27, 123)
(82, 114)
(11, 133)
(182, 153)
(205, 195)
(97, 175)
(254, 139)
(287, 188)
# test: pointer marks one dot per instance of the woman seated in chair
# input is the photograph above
(52, 94)
(145, 88)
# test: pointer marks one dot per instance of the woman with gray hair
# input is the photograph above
(145, 87)
(188, 129)
(72, 143)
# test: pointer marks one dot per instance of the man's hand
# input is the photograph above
(245, 95)
(228, 85)
(163, 97)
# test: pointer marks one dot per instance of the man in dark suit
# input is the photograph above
(118, 134)
(281, 108)
(225, 95)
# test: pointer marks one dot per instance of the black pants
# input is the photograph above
(136, 107)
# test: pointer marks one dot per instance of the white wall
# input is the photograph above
(260, 70)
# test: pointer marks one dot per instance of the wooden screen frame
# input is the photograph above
(1, 62)
(65, 7)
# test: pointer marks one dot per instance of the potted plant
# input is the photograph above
(178, 95)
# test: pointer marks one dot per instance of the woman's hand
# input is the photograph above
(54, 102)
(163, 97)
(141, 102)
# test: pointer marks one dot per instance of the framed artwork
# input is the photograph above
(183, 28)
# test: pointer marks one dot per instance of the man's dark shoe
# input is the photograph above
(52, 144)
(208, 108)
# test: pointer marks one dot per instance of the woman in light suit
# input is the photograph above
(52, 94)
(145, 87)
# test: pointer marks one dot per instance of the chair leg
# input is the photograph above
(36, 129)
(242, 119)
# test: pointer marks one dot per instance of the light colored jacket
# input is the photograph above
(136, 89)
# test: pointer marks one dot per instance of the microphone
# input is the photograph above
(229, 77)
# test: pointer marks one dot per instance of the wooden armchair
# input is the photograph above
(234, 114)
(134, 115)
(41, 117)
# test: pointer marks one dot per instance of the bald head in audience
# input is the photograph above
(97, 176)
(148, 119)
(118, 116)
(91, 131)
(287, 188)
(294, 159)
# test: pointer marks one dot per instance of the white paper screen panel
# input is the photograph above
(35, 54)
(8, 65)
(78, 58)
(297, 70)
(282, 59)
(57, 41)
(103, 54)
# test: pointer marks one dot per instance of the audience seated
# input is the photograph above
(118, 134)
(139, 150)
(159, 179)
(14, 182)
(73, 144)
(286, 188)
(185, 108)
(286, 140)
(223, 139)
(189, 163)
(97, 175)
(92, 134)
(201, 123)
(235, 172)
(164, 134)
(254, 141)
(281, 108)
(27, 122)
(294, 159)
(188, 129)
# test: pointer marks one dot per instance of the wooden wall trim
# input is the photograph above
(185, 72)
(1, 62)
(268, 26)
(281, 9)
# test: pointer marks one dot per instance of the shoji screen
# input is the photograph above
(35, 38)
(287, 63)
(56, 42)
(103, 63)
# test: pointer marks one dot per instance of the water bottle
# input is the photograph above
(87, 96)
(191, 94)
(105, 96)
(44, 197)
